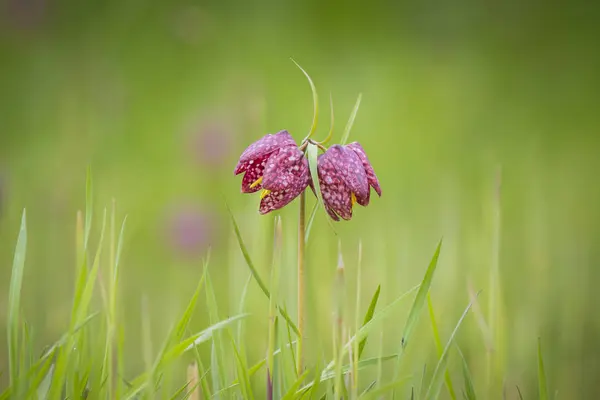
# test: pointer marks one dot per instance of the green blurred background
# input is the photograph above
(480, 118)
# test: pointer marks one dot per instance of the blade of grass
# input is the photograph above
(254, 272)
(374, 394)
(364, 331)
(469, 387)
(438, 346)
(314, 391)
(213, 312)
(311, 219)
(350, 122)
(438, 374)
(242, 308)
(242, 369)
(542, 383)
(315, 121)
(312, 155)
(273, 302)
(519, 393)
(44, 386)
(89, 206)
(173, 353)
(86, 283)
(328, 375)
(368, 318)
(14, 302)
(215, 373)
(368, 388)
(291, 393)
(419, 301)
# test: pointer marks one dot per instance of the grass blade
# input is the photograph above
(368, 318)
(291, 393)
(14, 302)
(254, 272)
(312, 153)
(328, 375)
(419, 301)
(438, 373)
(364, 331)
(350, 122)
(469, 387)
(311, 219)
(543, 385)
(438, 346)
(89, 206)
(278, 237)
(377, 393)
(315, 121)
(242, 369)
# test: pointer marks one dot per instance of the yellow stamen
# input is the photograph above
(264, 193)
(353, 199)
(256, 182)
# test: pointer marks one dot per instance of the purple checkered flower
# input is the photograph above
(346, 177)
(276, 165)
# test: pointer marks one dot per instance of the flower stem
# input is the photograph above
(301, 279)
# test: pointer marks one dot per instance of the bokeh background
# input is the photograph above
(480, 118)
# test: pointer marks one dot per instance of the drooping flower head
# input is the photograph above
(345, 177)
(276, 165)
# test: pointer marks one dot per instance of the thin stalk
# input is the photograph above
(301, 279)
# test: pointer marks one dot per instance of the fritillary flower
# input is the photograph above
(346, 177)
(276, 165)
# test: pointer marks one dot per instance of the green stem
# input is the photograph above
(301, 281)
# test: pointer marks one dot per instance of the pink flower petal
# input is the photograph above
(371, 176)
(287, 168)
(254, 170)
(335, 192)
(265, 145)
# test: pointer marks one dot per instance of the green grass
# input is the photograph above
(88, 358)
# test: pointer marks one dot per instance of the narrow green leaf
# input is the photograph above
(438, 373)
(185, 319)
(213, 312)
(89, 206)
(312, 153)
(242, 309)
(328, 374)
(291, 393)
(215, 369)
(375, 394)
(438, 345)
(542, 384)
(242, 372)
(311, 219)
(469, 387)
(180, 391)
(314, 391)
(364, 331)
(277, 243)
(14, 302)
(350, 122)
(369, 317)
(519, 392)
(173, 353)
(44, 387)
(313, 127)
(368, 388)
(419, 301)
(254, 272)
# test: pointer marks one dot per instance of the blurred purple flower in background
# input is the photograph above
(190, 229)
(24, 14)
(211, 144)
